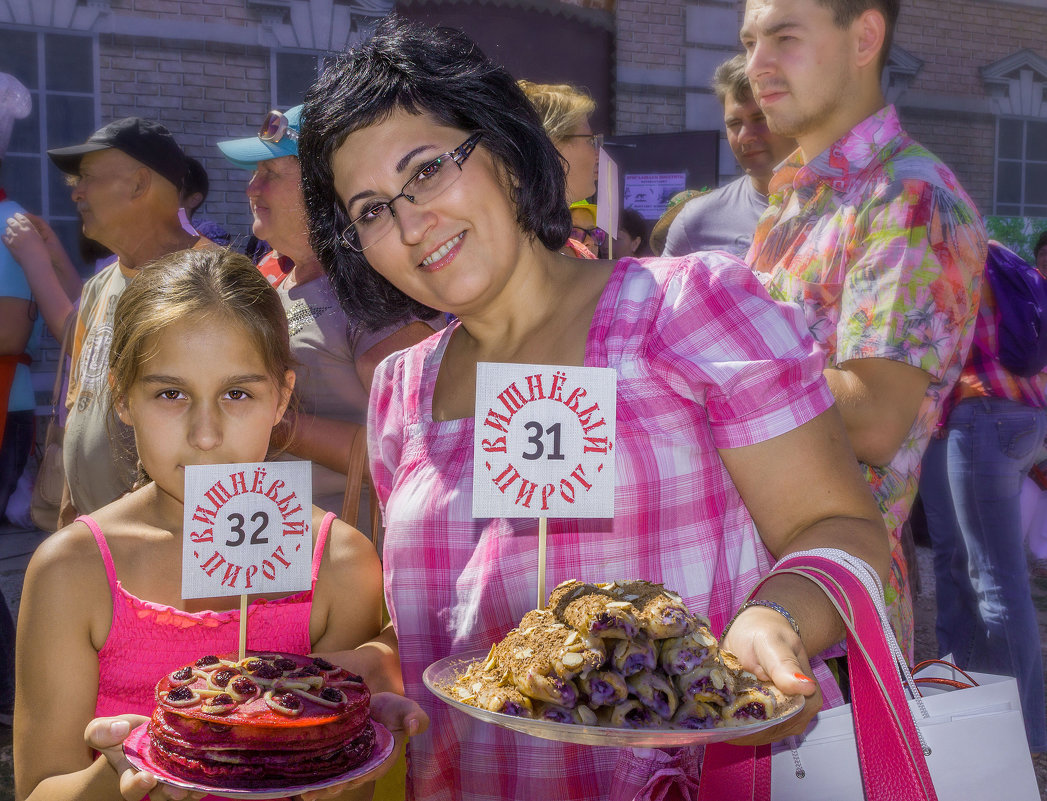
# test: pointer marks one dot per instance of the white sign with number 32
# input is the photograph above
(248, 529)
(544, 441)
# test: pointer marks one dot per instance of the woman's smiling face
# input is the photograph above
(455, 250)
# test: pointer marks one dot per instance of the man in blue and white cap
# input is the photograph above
(336, 359)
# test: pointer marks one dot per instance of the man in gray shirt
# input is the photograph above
(725, 218)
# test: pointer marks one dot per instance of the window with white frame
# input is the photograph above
(1021, 167)
(59, 69)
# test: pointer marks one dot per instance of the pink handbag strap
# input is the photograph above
(889, 751)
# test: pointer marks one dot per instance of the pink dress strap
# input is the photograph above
(321, 541)
(103, 546)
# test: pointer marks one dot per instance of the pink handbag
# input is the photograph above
(890, 752)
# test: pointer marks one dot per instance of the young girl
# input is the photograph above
(200, 366)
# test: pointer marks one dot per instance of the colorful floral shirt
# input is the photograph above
(705, 360)
(877, 242)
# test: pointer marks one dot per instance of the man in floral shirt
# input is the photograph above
(870, 234)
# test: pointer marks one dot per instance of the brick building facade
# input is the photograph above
(969, 77)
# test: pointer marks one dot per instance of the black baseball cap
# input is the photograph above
(143, 140)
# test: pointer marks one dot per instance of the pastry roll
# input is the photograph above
(754, 703)
(661, 613)
(488, 690)
(632, 656)
(679, 655)
(543, 687)
(709, 683)
(507, 700)
(693, 714)
(604, 688)
(541, 644)
(654, 692)
(591, 610)
(580, 714)
(630, 714)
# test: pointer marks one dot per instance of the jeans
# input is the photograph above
(971, 487)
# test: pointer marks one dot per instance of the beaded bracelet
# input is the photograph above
(781, 610)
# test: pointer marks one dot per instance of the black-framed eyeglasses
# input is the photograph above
(275, 127)
(429, 182)
(595, 140)
(598, 235)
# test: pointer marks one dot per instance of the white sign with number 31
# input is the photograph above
(248, 529)
(544, 441)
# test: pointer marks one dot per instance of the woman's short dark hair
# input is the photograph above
(421, 70)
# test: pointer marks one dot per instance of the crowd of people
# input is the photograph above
(815, 333)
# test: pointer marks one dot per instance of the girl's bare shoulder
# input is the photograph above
(345, 544)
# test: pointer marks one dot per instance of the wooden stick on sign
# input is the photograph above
(243, 627)
(542, 531)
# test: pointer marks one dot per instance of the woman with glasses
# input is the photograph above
(565, 111)
(430, 183)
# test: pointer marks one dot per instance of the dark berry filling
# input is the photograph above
(222, 677)
(566, 691)
(695, 722)
(638, 717)
(184, 674)
(634, 663)
(180, 694)
(600, 692)
(322, 663)
(207, 661)
(284, 665)
(557, 715)
(660, 704)
(222, 699)
(244, 685)
(288, 701)
(264, 670)
(512, 708)
(332, 694)
(753, 711)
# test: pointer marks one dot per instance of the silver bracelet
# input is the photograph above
(777, 607)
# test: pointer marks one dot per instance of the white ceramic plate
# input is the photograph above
(441, 674)
(139, 752)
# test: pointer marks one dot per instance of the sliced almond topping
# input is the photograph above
(572, 659)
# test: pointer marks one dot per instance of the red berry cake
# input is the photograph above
(269, 721)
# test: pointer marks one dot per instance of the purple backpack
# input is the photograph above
(1021, 311)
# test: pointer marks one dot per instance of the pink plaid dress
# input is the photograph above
(705, 360)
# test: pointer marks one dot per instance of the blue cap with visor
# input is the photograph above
(278, 136)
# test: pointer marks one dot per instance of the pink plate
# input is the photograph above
(139, 752)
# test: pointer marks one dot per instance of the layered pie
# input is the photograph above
(268, 721)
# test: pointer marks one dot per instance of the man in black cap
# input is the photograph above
(128, 176)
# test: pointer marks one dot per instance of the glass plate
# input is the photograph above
(441, 674)
(139, 752)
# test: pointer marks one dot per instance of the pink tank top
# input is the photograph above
(147, 640)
